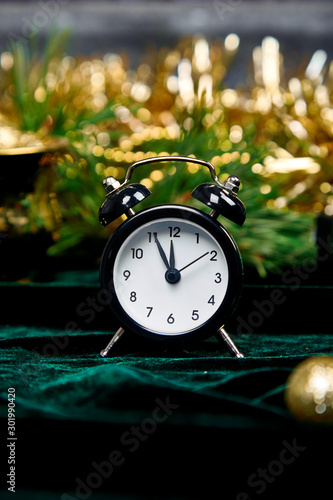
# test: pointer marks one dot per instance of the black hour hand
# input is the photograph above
(162, 253)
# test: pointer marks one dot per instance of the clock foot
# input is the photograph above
(222, 335)
(113, 340)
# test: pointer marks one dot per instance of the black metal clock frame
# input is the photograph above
(203, 220)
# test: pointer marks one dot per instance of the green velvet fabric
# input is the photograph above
(68, 396)
(236, 392)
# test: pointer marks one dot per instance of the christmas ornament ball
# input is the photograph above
(309, 391)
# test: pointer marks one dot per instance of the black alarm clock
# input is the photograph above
(174, 273)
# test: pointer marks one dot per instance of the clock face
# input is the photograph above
(173, 306)
(173, 272)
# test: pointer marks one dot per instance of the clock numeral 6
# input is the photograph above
(170, 319)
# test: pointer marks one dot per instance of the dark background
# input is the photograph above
(117, 26)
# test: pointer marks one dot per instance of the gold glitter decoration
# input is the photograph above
(275, 133)
(309, 392)
(14, 142)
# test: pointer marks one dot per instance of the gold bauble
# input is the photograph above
(309, 392)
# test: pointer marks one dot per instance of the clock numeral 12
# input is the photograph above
(174, 232)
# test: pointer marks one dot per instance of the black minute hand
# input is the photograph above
(160, 249)
(172, 256)
(193, 261)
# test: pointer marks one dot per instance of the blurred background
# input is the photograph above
(87, 88)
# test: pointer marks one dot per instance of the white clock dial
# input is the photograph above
(170, 276)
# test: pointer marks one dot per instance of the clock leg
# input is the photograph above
(113, 340)
(222, 335)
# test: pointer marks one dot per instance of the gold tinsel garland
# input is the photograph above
(275, 132)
